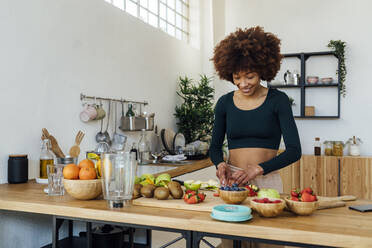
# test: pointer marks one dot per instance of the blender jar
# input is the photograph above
(118, 175)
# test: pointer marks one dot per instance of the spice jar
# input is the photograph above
(328, 146)
(338, 148)
(317, 147)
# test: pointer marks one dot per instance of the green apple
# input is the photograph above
(163, 180)
(192, 185)
(268, 193)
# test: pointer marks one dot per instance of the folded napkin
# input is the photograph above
(178, 157)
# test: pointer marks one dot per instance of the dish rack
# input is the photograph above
(128, 123)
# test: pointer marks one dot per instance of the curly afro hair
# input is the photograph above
(249, 49)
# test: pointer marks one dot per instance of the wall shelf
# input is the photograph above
(302, 86)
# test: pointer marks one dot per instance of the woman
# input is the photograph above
(253, 117)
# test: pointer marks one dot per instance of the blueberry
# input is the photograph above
(235, 185)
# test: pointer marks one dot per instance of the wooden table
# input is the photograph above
(338, 227)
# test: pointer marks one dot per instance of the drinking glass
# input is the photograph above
(118, 174)
(55, 179)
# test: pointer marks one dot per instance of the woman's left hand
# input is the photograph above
(242, 177)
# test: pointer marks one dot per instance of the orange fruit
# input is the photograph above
(87, 173)
(71, 171)
(86, 163)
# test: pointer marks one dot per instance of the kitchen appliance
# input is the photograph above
(17, 169)
(118, 174)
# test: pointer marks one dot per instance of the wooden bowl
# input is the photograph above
(301, 208)
(83, 189)
(233, 197)
(268, 209)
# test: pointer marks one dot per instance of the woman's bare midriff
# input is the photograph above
(242, 157)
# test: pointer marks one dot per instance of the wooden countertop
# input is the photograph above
(338, 227)
(184, 169)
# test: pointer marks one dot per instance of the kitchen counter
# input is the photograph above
(338, 227)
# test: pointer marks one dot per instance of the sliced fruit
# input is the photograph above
(192, 185)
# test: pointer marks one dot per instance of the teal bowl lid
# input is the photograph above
(231, 210)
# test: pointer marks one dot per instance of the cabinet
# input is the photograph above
(330, 176)
(355, 177)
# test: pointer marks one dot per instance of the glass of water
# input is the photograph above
(55, 179)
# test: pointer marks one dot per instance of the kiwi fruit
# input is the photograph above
(175, 190)
(161, 193)
(137, 191)
(148, 190)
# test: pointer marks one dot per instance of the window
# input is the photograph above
(171, 16)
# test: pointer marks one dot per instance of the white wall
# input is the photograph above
(307, 26)
(51, 51)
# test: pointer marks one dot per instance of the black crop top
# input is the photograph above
(260, 127)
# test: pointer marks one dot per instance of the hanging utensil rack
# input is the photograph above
(83, 97)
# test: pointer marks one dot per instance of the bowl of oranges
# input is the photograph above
(81, 181)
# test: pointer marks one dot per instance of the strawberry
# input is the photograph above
(313, 198)
(306, 197)
(277, 201)
(193, 199)
(294, 198)
(186, 197)
(216, 195)
(189, 191)
(202, 196)
(295, 192)
(308, 190)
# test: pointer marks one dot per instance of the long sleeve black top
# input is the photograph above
(260, 127)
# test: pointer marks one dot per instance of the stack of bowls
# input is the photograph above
(231, 213)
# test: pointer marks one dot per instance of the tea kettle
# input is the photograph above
(291, 78)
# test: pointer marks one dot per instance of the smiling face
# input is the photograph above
(247, 82)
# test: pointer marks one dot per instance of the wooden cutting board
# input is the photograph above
(211, 201)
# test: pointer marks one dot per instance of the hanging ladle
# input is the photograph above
(106, 134)
(100, 136)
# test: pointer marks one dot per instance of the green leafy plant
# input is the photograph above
(338, 48)
(195, 115)
(291, 101)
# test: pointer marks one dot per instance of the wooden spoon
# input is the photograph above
(75, 149)
(55, 147)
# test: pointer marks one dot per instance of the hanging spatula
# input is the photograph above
(75, 149)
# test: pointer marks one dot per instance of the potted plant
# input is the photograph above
(338, 48)
(195, 115)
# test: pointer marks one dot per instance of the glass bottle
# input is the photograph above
(46, 157)
(144, 150)
(134, 150)
(317, 147)
(130, 111)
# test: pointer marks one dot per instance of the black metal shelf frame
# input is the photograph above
(303, 85)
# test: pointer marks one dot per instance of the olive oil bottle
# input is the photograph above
(46, 157)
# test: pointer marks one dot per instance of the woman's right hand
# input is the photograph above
(222, 173)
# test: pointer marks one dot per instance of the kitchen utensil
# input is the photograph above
(312, 79)
(118, 174)
(288, 77)
(101, 113)
(17, 169)
(55, 177)
(102, 147)
(167, 137)
(179, 143)
(268, 209)
(302, 208)
(118, 140)
(89, 113)
(75, 149)
(232, 210)
(326, 80)
(107, 135)
(67, 160)
(100, 137)
(83, 189)
(55, 147)
(233, 197)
